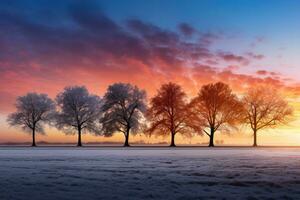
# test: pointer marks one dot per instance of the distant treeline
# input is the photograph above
(125, 108)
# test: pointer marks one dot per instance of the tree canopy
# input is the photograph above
(168, 112)
(79, 111)
(33, 111)
(264, 108)
(123, 110)
(215, 108)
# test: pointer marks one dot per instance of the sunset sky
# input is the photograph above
(46, 45)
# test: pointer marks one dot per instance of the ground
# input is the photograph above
(149, 173)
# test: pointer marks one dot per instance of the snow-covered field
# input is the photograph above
(144, 173)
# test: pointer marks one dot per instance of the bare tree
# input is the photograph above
(168, 112)
(123, 109)
(215, 108)
(264, 108)
(33, 111)
(79, 111)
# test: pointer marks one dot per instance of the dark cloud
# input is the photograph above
(230, 57)
(262, 72)
(267, 73)
(90, 35)
(186, 29)
(153, 34)
(255, 56)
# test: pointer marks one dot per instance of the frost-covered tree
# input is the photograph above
(123, 110)
(264, 108)
(78, 112)
(168, 113)
(33, 111)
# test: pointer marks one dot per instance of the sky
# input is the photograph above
(46, 45)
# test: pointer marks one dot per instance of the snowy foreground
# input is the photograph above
(144, 173)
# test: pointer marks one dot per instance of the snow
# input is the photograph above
(149, 173)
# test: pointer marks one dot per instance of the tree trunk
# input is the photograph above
(255, 138)
(126, 144)
(211, 138)
(172, 140)
(33, 137)
(79, 137)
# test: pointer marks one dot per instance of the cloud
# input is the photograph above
(208, 38)
(230, 57)
(186, 29)
(255, 56)
(267, 73)
(261, 72)
(257, 41)
(44, 51)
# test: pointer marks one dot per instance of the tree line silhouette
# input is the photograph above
(124, 108)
